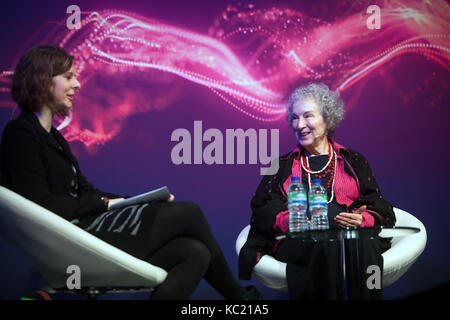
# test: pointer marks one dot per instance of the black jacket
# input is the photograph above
(270, 199)
(40, 166)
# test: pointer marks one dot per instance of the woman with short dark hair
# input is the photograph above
(34, 74)
(36, 162)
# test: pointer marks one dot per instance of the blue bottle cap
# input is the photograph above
(317, 181)
(295, 179)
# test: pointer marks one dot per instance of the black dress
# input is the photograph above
(314, 269)
(313, 272)
(175, 236)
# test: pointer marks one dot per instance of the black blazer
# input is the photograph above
(41, 167)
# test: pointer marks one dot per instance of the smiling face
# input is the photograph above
(309, 126)
(63, 88)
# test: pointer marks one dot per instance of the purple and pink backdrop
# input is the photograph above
(147, 69)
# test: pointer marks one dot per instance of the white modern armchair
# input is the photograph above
(398, 259)
(53, 244)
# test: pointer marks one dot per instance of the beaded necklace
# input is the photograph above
(329, 169)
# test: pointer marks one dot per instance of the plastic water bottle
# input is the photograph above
(297, 205)
(318, 206)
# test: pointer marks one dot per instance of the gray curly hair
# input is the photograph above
(330, 103)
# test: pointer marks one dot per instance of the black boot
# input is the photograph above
(252, 294)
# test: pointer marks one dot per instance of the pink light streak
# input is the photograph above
(251, 58)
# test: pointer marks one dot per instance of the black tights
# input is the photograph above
(182, 243)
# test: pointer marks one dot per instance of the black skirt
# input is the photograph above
(128, 228)
(315, 269)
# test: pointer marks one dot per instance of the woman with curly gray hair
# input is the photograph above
(328, 103)
(354, 200)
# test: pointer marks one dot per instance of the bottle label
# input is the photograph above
(318, 199)
(298, 197)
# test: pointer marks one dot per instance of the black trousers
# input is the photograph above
(174, 236)
(315, 269)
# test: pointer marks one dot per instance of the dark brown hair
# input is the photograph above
(33, 75)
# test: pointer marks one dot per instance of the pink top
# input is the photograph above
(346, 189)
